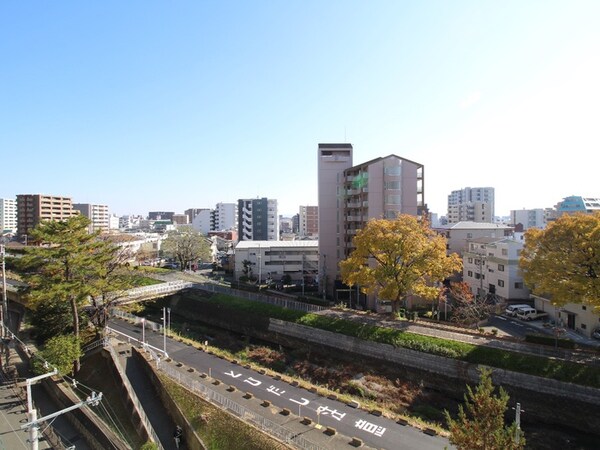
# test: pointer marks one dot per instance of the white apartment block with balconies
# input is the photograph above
(224, 217)
(471, 205)
(8, 216)
(523, 219)
(98, 215)
(491, 267)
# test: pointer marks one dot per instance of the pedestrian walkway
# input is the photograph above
(161, 421)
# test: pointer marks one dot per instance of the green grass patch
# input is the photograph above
(256, 314)
(218, 429)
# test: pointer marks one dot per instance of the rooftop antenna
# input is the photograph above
(345, 134)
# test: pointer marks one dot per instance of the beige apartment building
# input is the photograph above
(308, 221)
(35, 208)
(98, 215)
(350, 195)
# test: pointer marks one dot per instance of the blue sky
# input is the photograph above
(148, 105)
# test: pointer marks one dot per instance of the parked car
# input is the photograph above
(530, 314)
(511, 310)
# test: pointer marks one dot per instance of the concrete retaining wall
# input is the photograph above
(435, 364)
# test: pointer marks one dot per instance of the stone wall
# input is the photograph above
(549, 396)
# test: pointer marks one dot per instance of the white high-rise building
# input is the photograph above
(224, 217)
(98, 215)
(8, 215)
(471, 205)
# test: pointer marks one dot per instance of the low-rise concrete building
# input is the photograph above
(458, 234)
(491, 268)
(579, 317)
(275, 259)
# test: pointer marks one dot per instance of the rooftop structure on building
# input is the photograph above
(471, 204)
(160, 215)
(576, 204)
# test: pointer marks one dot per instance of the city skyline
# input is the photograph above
(148, 107)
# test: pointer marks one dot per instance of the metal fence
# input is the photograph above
(268, 426)
(134, 399)
(256, 297)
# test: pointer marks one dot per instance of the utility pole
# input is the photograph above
(518, 423)
(164, 317)
(33, 424)
(4, 309)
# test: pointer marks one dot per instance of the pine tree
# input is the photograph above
(66, 266)
(481, 426)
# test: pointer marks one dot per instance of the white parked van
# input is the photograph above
(530, 314)
(511, 310)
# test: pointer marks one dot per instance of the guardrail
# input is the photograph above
(262, 298)
(268, 426)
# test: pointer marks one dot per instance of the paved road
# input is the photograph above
(375, 431)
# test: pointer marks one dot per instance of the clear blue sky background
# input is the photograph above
(148, 105)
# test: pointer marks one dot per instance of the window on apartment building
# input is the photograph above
(470, 260)
(583, 326)
(477, 276)
(469, 235)
(583, 307)
(393, 199)
(501, 283)
(472, 246)
(395, 185)
(500, 267)
(504, 252)
(519, 285)
(478, 261)
(393, 170)
(470, 273)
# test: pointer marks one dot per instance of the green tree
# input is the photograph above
(397, 258)
(563, 260)
(67, 266)
(187, 246)
(481, 426)
(60, 352)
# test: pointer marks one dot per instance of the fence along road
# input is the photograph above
(375, 431)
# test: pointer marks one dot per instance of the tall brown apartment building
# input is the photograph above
(350, 195)
(35, 208)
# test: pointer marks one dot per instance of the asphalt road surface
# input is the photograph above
(375, 431)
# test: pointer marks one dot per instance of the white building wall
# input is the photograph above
(202, 221)
(225, 217)
(8, 215)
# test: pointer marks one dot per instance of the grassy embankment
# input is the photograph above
(218, 429)
(257, 314)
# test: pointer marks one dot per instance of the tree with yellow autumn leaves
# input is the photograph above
(562, 261)
(396, 258)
